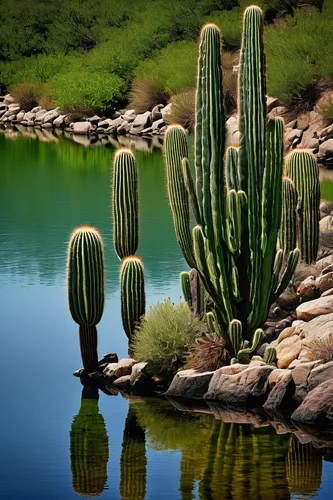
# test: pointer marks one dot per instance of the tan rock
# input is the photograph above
(287, 332)
(189, 384)
(319, 327)
(327, 293)
(124, 367)
(287, 351)
(314, 308)
(303, 121)
(325, 282)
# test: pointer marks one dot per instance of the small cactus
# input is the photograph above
(125, 204)
(133, 298)
(85, 276)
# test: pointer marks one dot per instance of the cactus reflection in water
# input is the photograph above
(304, 469)
(133, 460)
(89, 447)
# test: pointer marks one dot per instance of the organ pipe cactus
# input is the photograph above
(302, 169)
(85, 276)
(288, 229)
(133, 300)
(235, 193)
(125, 204)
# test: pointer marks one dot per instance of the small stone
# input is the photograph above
(50, 116)
(308, 290)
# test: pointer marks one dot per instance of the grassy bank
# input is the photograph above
(91, 54)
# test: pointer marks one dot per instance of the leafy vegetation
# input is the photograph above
(165, 337)
(92, 53)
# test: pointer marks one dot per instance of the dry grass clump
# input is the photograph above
(147, 92)
(165, 337)
(320, 349)
(208, 353)
(27, 94)
(182, 109)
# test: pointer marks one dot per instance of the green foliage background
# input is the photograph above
(90, 51)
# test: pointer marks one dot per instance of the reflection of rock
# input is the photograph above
(89, 447)
(304, 469)
(133, 460)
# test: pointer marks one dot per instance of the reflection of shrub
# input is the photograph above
(208, 353)
(27, 94)
(165, 337)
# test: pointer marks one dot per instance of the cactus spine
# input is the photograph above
(302, 169)
(288, 229)
(85, 276)
(133, 300)
(125, 204)
(236, 195)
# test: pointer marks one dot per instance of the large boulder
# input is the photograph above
(287, 350)
(248, 387)
(141, 122)
(317, 407)
(300, 375)
(83, 127)
(319, 375)
(326, 234)
(189, 384)
(318, 307)
(281, 389)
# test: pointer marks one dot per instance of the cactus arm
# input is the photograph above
(185, 286)
(232, 173)
(235, 334)
(133, 298)
(287, 233)
(292, 262)
(125, 205)
(175, 149)
(189, 184)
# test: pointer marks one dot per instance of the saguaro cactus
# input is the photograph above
(85, 276)
(125, 204)
(302, 169)
(133, 300)
(236, 194)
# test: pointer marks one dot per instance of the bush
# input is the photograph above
(182, 110)
(27, 94)
(97, 91)
(146, 93)
(231, 26)
(165, 337)
(208, 353)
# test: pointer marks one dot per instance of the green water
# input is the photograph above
(61, 442)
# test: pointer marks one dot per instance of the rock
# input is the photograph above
(249, 387)
(110, 130)
(300, 376)
(325, 282)
(79, 373)
(326, 234)
(320, 374)
(189, 384)
(129, 116)
(277, 111)
(110, 370)
(272, 102)
(147, 131)
(30, 115)
(122, 383)
(46, 125)
(9, 99)
(298, 322)
(156, 112)
(50, 116)
(291, 124)
(292, 135)
(14, 108)
(312, 144)
(82, 127)
(303, 121)
(20, 116)
(36, 109)
(287, 332)
(281, 388)
(327, 293)
(327, 132)
(317, 328)
(326, 150)
(166, 110)
(141, 122)
(59, 121)
(288, 350)
(157, 124)
(94, 119)
(124, 128)
(318, 307)
(317, 407)
(110, 357)
(124, 367)
(110, 123)
(137, 370)
(308, 290)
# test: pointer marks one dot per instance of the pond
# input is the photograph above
(60, 441)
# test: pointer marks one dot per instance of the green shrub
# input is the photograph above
(230, 23)
(165, 337)
(96, 91)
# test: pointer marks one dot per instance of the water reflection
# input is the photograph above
(133, 461)
(89, 447)
(303, 469)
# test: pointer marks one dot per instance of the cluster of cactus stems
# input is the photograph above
(85, 286)
(236, 196)
(125, 208)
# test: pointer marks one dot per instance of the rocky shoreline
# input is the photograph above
(310, 130)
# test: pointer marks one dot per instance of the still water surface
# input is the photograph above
(61, 442)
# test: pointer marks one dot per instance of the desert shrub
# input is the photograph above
(325, 106)
(165, 337)
(208, 353)
(320, 349)
(27, 94)
(182, 109)
(146, 92)
(90, 90)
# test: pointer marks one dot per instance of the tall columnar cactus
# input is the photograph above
(288, 229)
(88, 346)
(302, 169)
(125, 204)
(85, 276)
(89, 447)
(133, 299)
(236, 194)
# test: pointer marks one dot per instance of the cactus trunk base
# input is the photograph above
(88, 346)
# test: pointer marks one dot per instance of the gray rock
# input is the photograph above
(300, 375)
(325, 149)
(59, 121)
(281, 387)
(245, 388)
(156, 112)
(50, 116)
(327, 131)
(9, 99)
(82, 127)
(124, 128)
(124, 367)
(122, 383)
(137, 370)
(30, 115)
(158, 124)
(320, 374)
(166, 110)
(20, 116)
(141, 122)
(129, 116)
(292, 135)
(36, 109)
(94, 119)
(40, 115)
(110, 370)
(326, 234)
(317, 407)
(189, 384)
(147, 131)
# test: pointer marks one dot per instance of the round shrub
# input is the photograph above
(165, 337)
